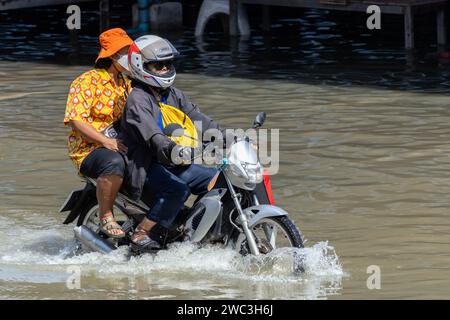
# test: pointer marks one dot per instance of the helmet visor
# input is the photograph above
(160, 69)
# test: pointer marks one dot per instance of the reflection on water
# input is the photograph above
(307, 46)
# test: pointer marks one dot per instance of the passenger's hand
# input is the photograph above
(114, 145)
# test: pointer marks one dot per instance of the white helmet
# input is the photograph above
(151, 49)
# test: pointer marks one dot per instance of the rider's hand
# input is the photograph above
(114, 145)
(182, 155)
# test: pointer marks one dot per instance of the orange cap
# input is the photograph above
(112, 41)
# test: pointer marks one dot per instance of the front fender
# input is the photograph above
(257, 213)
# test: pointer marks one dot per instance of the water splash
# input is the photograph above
(50, 248)
(43, 256)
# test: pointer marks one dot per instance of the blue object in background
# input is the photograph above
(143, 19)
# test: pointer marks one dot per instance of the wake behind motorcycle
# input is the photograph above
(237, 212)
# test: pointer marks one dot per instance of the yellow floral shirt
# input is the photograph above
(93, 98)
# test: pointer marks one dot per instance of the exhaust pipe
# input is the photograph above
(92, 240)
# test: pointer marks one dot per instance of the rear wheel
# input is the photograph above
(91, 220)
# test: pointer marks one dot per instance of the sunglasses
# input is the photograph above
(159, 65)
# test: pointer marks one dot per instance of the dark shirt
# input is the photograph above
(140, 132)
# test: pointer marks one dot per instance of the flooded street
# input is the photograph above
(363, 171)
(364, 163)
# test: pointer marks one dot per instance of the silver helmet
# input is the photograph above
(152, 49)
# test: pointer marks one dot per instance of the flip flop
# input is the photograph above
(106, 229)
(145, 244)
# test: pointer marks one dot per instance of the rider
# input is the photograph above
(151, 103)
(96, 100)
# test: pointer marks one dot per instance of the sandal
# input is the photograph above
(141, 242)
(108, 224)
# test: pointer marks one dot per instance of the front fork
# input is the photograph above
(243, 219)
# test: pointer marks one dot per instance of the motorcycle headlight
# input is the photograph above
(238, 170)
(254, 172)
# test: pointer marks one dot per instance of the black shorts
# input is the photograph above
(103, 162)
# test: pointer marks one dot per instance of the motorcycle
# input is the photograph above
(237, 212)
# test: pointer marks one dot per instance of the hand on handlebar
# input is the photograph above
(209, 152)
(182, 155)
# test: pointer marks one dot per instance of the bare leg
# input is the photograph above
(107, 188)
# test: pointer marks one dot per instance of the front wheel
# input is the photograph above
(270, 234)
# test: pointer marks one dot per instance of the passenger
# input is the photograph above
(95, 102)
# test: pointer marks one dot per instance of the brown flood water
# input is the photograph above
(364, 173)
